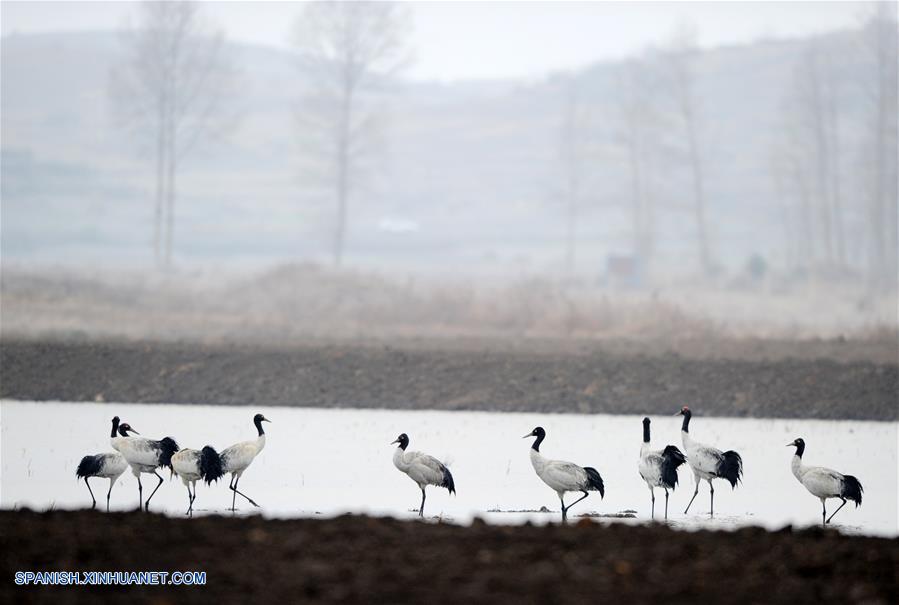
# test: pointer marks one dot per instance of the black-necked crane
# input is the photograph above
(194, 465)
(563, 476)
(238, 457)
(825, 483)
(107, 466)
(425, 470)
(659, 467)
(143, 456)
(708, 463)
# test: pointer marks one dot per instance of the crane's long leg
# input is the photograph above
(652, 493)
(712, 496)
(823, 512)
(94, 505)
(421, 509)
(565, 510)
(109, 493)
(696, 491)
(147, 506)
(140, 494)
(233, 493)
(250, 500)
(666, 505)
(838, 509)
(190, 500)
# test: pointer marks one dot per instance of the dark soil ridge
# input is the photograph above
(377, 560)
(549, 379)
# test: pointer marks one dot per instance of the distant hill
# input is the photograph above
(470, 167)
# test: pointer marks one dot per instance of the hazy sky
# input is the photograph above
(454, 40)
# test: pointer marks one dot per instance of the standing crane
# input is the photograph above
(825, 483)
(144, 456)
(563, 476)
(108, 466)
(423, 469)
(708, 463)
(659, 467)
(194, 465)
(237, 458)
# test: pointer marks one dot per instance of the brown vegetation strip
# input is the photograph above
(473, 378)
(367, 560)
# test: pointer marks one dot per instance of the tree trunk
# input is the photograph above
(160, 184)
(343, 175)
(342, 190)
(705, 259)
(571, 234)
(170, 197)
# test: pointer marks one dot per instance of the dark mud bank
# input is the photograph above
(539, 379)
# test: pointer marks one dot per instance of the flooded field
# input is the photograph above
(327, 462)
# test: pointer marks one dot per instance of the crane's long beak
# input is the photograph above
(526, 436)
(265, 420)
(791, 445)
(677, 413)
(135, 432)
(394, 441)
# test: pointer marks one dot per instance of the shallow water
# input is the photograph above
(328, 462)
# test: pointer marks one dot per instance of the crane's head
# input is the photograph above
(646, 422)
(125, 428)
(260, 418)
(403, 440)
(684, 411)
(537, 432)
(798, 442)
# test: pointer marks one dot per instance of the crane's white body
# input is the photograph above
(423, 469)
(141, 453)
(238, 457)
(186, 464)
(112, 465)
(109, 465)
(650, 466)
(821, 482)
(559, 475)
(702, 459)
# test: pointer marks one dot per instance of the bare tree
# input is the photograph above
(679, 57)
(879, 41)
(812, 127)
(350, 49)
(170, 86)
(574, 134)
(639, 127)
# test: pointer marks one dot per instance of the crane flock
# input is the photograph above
(657, 467)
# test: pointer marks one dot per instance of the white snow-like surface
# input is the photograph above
(328, 462)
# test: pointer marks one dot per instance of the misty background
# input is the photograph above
(695, 173)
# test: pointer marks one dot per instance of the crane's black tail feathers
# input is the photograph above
(90, 466)
(594, 481)
(167, 448)
(852, 489)
(211, 468)
(671, 459)
(731, 468)
(448, 482)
